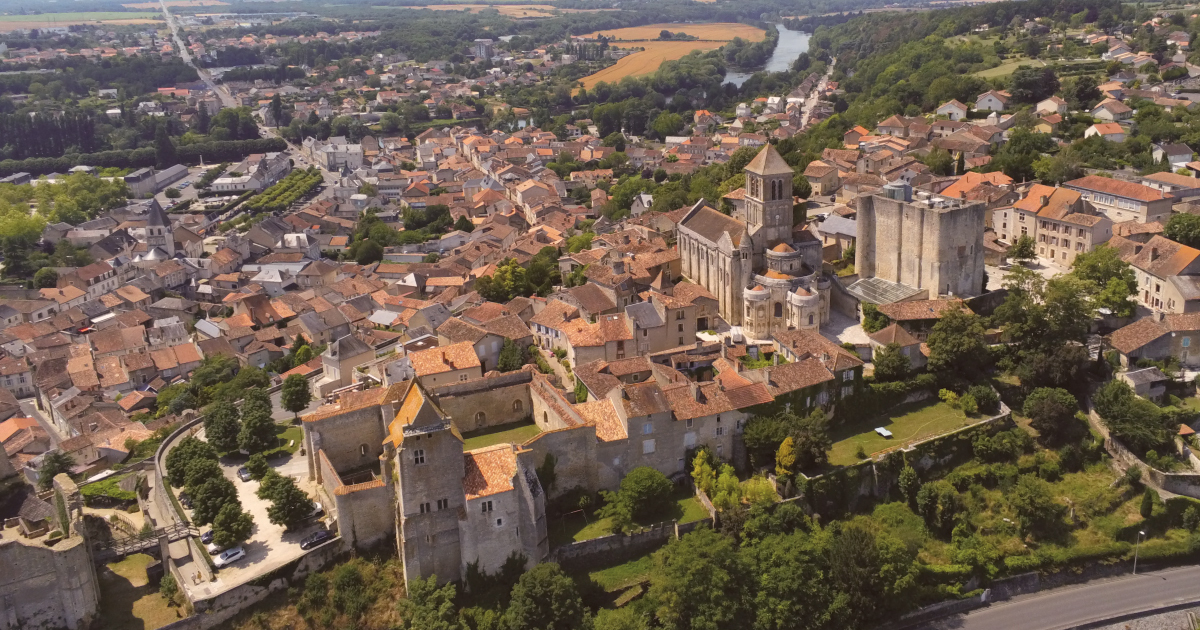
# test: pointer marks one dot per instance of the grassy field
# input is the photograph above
(646, 61)
(150, 6)
(623, 575)
(515, 11)
(128, 601)
(1007, 68)
(907, 423)
(518, 433)
(721, 32)
(44, 20)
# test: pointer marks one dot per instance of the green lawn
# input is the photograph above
(907, 423)
(684, 507)
(1191, 403)
(766, 360)
(290, 437)
(623, 575)
(517, 433)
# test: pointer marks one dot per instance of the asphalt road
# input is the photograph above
(1069, 607)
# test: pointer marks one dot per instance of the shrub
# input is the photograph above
(1147, 507)
(986, 397)
(1191, 518)
(968, 404)
(949, 397)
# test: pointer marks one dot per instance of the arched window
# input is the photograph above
(545, 417)
(480, 418)
(762, 312)
(517, 406)
(778, 309)
(810, 319)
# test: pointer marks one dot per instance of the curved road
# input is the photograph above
(1073, 606)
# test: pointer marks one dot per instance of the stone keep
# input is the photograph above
(931, 243)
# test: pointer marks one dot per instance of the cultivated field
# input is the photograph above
(647, 61)
(510, 10)
(45, 20)
(176, 3)
(721, 32)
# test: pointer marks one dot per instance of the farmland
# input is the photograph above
(45, 20)
(646, 61)
(721, 32)
(515, 11)
(150, 6)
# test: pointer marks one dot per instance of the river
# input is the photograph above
(791, 44)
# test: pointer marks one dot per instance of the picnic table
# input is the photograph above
(884, 432)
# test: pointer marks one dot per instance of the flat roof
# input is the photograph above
(880, 291)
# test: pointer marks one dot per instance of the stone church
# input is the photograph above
(765, 273)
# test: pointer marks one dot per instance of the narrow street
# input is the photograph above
(811, 102)
(29, 408)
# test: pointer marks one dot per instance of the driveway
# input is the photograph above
(844, 329)
(269, 547)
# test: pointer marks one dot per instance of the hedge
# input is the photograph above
(226, 151)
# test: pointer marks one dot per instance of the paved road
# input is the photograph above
(29, 408)
(1071, 606)
(186, 55)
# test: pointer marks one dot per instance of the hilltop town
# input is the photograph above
(277, 294)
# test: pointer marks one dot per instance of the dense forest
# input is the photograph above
(76, 76)
(46, 136)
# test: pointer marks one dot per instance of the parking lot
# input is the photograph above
(188, 192)
(269, 547)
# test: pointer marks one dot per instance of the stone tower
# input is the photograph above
(768, 206)
(158, 230)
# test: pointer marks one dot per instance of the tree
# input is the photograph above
(960, 167)
(290, 506)
(276, 108)
(368, 252)
(189, 448)
(165, 154)
(785, 457)
(699, 582)
(258, 429)
(463, 224)
(545, 598)
(938, 503)
(231, 526)
(45, 278)
(1184, 228)
(909, 484)
(1111, 283)
(790, 587)
(54, 463)
(1146, 509)
(1030, 85)
(939, 161)
(956, 343)
(221, 425)
(875, 574)
(1051, 411)
(645, 490)
(295, 394)
(511, 357)
(173, 193)
(258, 466)
(1038, 512)
(667, 124)
(1138, 423)
(200, 471)
(210, 496)
(890, 364)
(873, 320)
(811, 439)
(1023, 248)
(427, 607)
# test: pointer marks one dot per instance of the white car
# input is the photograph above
(229, 556)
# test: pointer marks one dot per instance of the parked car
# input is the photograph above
(243, 473)
(229, 556)
(316, 539)
(185, 500)
(206, 537)
(212, 548)
(318, 511)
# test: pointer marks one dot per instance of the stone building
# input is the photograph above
(932, 245)
(763, 277)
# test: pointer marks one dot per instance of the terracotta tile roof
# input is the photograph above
(1163, 257)
(347, 402)
(1136, 335)
(798, 375)
(711, 224)
(458, 356)
(456, 330)
(893, 333)
(1116, 187)
(509, 327)
(919, 309)
(486, 312)
(603, 415)
(489, 471)
(554, 314)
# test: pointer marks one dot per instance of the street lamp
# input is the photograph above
(1135, 550)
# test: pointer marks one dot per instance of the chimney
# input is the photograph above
(1044, 200)
(618, 266)
(1159, 316)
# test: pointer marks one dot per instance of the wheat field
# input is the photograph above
(723, 32)
(646, 61)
